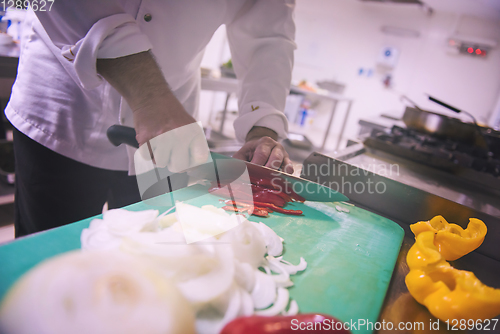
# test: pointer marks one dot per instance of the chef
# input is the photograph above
(86, 65)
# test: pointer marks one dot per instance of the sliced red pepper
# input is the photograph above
(231, 202)
(235, 192)
(266, 197)
(268, 206)
(261, 212)
(259, 189)
(278, 209)
(264, 183)
(256, 211)
(232, 208)
(260, 194)
(284, 186)
(285, 325)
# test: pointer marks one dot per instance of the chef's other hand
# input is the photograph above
(261, 148)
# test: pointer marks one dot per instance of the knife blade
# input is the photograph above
(311, 191)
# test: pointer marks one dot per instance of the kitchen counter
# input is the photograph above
(406, 205)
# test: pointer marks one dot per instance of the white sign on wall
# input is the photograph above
(388, 57)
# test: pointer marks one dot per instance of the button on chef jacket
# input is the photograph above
(60, 101)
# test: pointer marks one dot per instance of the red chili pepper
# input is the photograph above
(277, 183)
(266, 197)
(231, 202)
(232, 208)
(258, 189)
(261, 212)
(264, 183)
(256, 211)
(268, 207)
(233, 193)
(273, 199)
(310, 323)
(278, 209)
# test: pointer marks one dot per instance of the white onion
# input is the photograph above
(247, 307)
(264, 292)
(212, 284)
(244, 275)
(273, 242)
(212, 257)
(247, 243)
(94, 292)
(122, 222)
(279, 305)
(200, 224)
(293, 308)
(106, 233)
(214, 316)
(279, 265)
(99, 238)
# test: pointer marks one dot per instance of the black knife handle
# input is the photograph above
(119, 134)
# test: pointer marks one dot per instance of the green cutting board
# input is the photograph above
(350, 256)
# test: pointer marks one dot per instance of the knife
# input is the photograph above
(311, 191)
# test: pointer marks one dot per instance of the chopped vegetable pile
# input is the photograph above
(136, 264)
(268, 196)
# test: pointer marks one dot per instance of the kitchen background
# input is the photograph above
(344, 40)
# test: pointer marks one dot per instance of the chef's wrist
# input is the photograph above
(259, 131)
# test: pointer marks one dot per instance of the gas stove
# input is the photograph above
(459, 158)
(460, 171)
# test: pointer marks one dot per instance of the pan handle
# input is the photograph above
(119, 134)
(446, 105)
(478, 128)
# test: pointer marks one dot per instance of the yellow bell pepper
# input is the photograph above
(448, 293)
(452, 240)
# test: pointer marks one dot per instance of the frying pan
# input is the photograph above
(447, 127)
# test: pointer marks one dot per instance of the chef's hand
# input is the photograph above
(261, 147)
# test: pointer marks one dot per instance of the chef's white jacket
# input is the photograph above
(61, 102)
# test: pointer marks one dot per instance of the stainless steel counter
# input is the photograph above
(406, 200)
(428, 179)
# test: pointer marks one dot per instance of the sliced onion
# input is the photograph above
(99, 238)
(244, 275)
(278, 306)
(106, 233)
(293, 308)
(122, 222)
(264, 292)
(273, 242)
(279, 265)
(214, 316)
(216, 272)
(247, 307)
(211, 285)
(247, 243)
(95, 292)
(199, 224)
